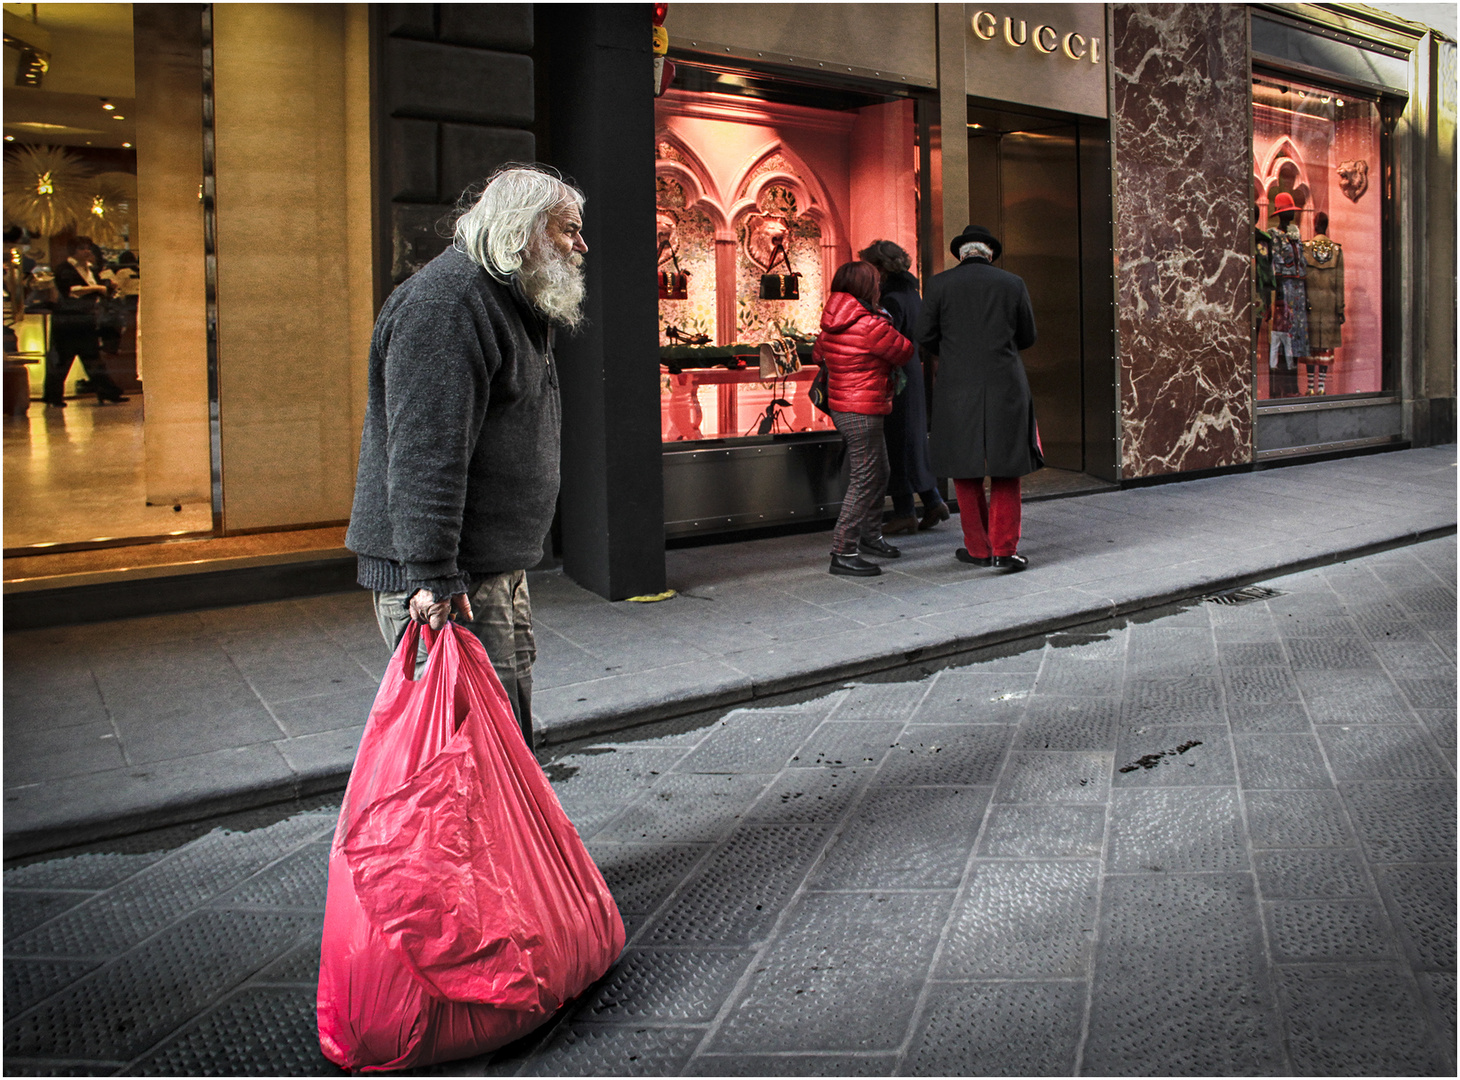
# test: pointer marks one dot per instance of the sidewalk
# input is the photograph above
(1211, 839)
(115, 726)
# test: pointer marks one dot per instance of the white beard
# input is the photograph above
(554, 285)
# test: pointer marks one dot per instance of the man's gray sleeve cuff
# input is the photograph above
(440, 588)
(442, 578)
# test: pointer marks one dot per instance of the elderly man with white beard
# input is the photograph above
(458, 475)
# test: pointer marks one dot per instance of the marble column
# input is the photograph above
(1180, 104)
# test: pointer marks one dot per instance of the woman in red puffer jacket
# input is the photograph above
(860, 350)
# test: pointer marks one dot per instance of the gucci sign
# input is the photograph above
(1048, 55)
(1045, 39)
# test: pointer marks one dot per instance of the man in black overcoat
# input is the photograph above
(976, 318)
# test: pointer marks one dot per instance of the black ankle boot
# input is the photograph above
(853, 566)
(879, 547)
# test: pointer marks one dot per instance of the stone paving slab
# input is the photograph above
(936, 876)
(112, 727)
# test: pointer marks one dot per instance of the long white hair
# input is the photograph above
(511, 213)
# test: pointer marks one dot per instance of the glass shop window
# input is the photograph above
(762, 190)
(105, 403)
(1318, 282)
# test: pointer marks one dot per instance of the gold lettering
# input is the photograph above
(1054, 39)
(1009, 31)
(1073, 51)
(978, 25)
(1094, 50)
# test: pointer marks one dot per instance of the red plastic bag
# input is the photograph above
(463, 909)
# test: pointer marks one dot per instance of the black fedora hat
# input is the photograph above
(976, 234)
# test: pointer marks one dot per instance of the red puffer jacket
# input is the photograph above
(859, 348)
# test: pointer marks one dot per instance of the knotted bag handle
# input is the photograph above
(413, 633)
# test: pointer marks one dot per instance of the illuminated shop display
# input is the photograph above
(757, 203)
(1317, 151)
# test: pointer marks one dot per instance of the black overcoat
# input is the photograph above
(976, 318)
(906, 427)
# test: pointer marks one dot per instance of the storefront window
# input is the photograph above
(1319, 203)
(106, 409)
(761, 193)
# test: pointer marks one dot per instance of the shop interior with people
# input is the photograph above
(83, 464)
(172, 398)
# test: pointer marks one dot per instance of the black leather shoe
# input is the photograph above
(962, 555)
(879, 547)
(854, 566)
(1011, 563)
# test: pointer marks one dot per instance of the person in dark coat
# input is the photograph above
(976, 318)
(906, 427)
(75, 328)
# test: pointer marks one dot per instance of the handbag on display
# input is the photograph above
(785, 286)
(778, 358)
(673, 285)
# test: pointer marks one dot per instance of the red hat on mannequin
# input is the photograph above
(1284, 204)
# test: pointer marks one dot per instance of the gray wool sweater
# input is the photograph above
(458, 471)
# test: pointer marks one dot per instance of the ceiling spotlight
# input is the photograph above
(107, 105)
(118, 116)
(33, 62)
(126, 146)
(1339, 103)
(10, 138)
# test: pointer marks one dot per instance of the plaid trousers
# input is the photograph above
(861, 516)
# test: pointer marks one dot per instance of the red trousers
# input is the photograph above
(990, 526)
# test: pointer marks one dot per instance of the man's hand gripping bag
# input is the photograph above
(463, 909)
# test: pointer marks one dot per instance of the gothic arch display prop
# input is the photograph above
(686, 238)
(778, 222)
(1283, 170)
(774, 233)
(782, 221)
(776, 166)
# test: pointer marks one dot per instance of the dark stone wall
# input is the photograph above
(598, 82)
(1180, 104)
(463, 88)
(454, 97)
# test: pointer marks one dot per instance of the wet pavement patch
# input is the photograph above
(1150, 761)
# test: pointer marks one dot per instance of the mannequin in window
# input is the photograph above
(1262, 279)
(1325, 302)
(1290, 300)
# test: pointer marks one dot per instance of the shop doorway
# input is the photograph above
(1025, 186)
